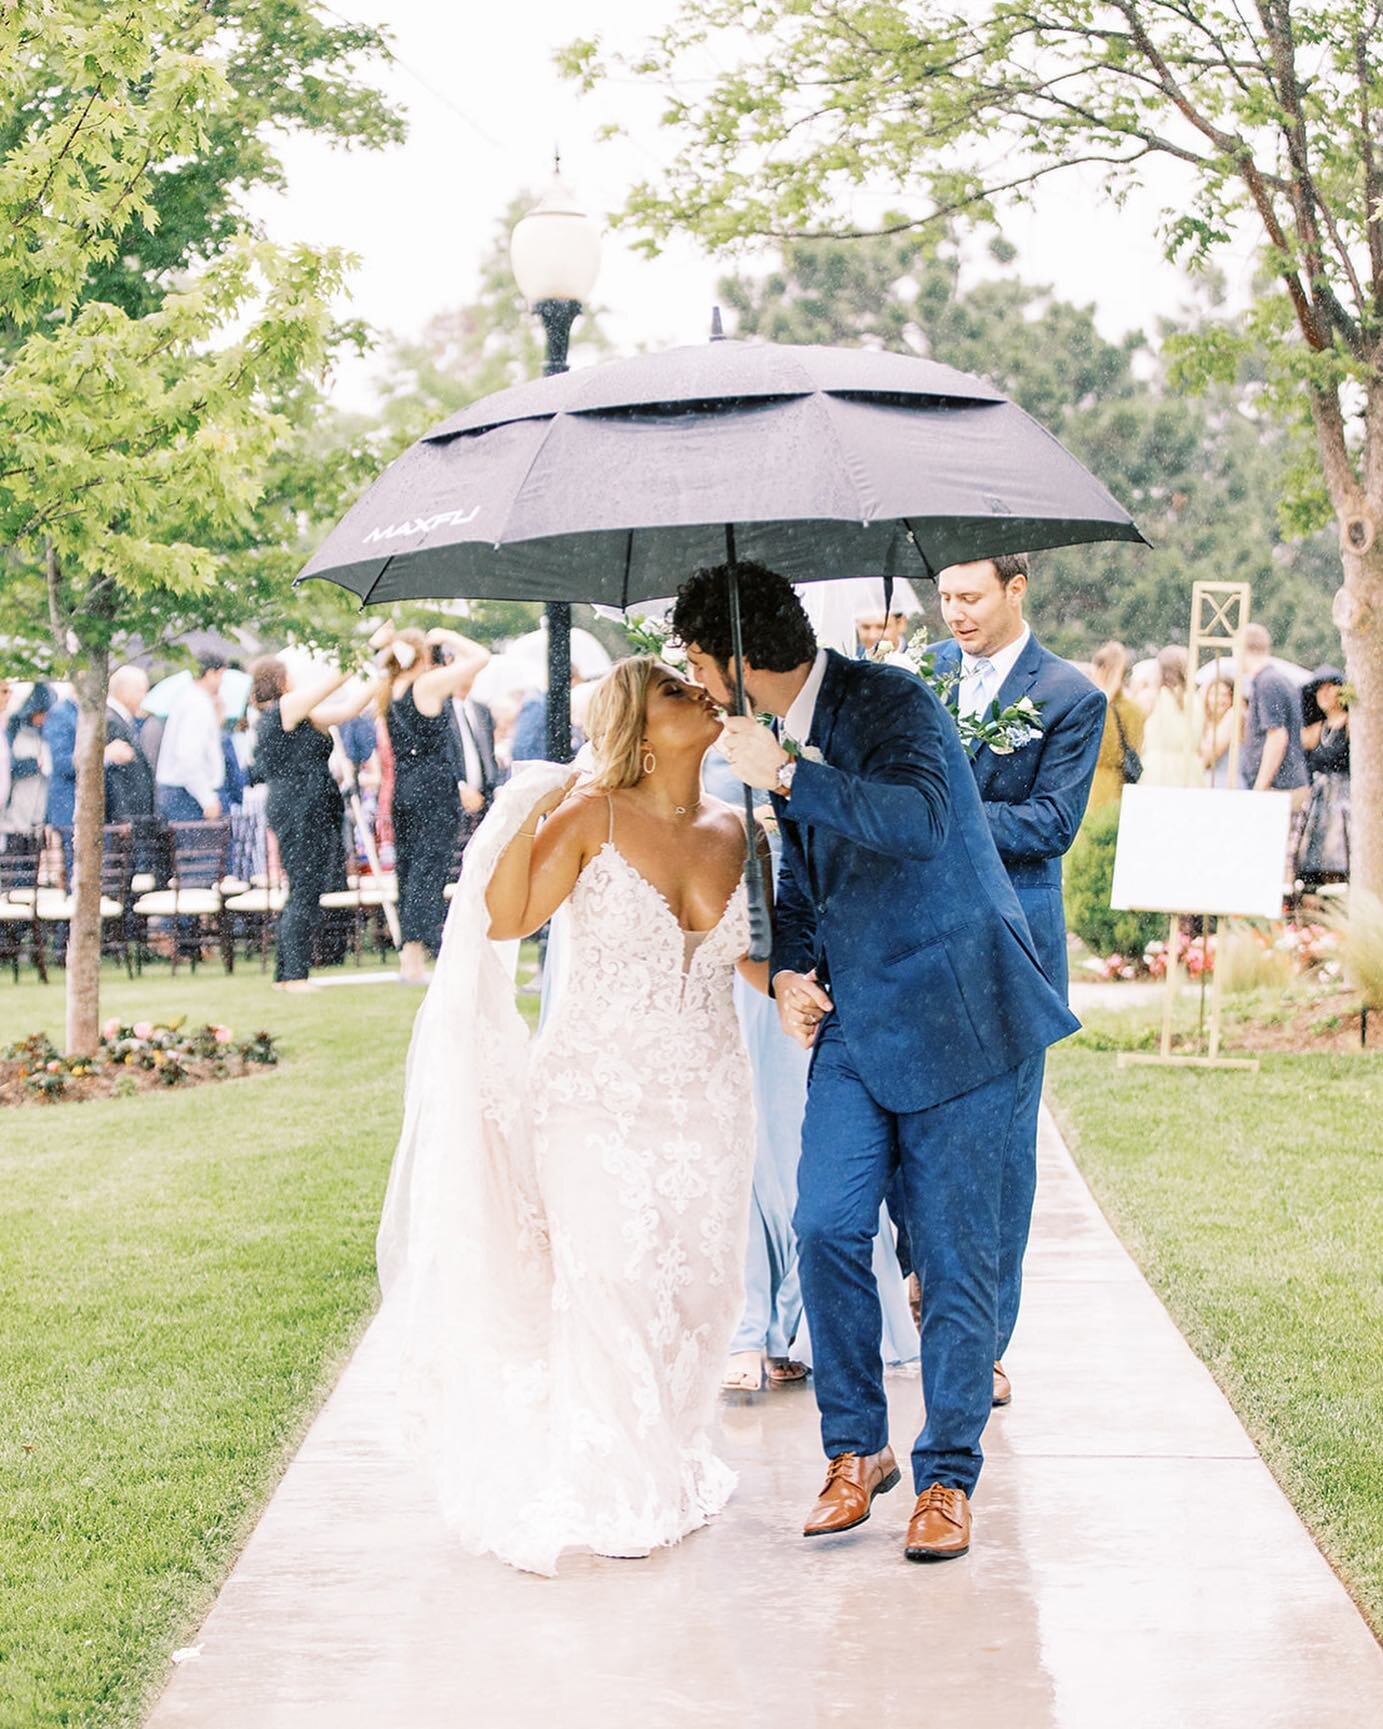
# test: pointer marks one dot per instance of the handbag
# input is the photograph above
(1130, 763)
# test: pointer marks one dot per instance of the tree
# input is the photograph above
(1195, 474)
(137, 438)
(282, 66)
(1271, 114)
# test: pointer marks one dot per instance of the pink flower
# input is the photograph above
(111, 1030)
(222, 1035)
(142, 1030)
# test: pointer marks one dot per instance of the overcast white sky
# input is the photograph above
(421, 215)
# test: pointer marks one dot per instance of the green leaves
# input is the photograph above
(139, 432)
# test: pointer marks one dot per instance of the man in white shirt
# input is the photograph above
(191, 762)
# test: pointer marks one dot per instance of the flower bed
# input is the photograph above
(1294, 950)
(130, 1059)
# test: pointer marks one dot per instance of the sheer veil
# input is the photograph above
(462, 1246)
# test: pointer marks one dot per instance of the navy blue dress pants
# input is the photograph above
(950, 1162)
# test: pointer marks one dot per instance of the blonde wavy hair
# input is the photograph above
(615, 722)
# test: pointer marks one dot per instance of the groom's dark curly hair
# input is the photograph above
(773, 625)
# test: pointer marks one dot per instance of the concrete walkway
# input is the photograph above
(1134, 1567)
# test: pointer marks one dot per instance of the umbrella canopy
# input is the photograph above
(611, 484)
(235, 692)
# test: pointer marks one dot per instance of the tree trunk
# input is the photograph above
(1358, 612)
(84, 938)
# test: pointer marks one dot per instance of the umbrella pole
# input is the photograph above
(760, 928)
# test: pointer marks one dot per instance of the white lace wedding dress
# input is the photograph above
(566, 1219)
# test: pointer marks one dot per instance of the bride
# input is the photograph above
(565, 1221)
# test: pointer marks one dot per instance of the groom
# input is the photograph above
(901, 956)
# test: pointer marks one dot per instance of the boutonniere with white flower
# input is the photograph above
(807, 752)
(1001, 730)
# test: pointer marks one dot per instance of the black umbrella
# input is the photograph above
(610, 484)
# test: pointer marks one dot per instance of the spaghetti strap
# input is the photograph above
(610, 838)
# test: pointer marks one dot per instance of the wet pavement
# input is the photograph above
(1134, 1567)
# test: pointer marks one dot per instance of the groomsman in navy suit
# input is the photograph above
(902, 959)
(1034, 798)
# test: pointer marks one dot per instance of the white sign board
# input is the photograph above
(1201, 850)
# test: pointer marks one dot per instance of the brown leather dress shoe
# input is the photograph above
(1003, 1387)
(852, 1482)
(939, 1529)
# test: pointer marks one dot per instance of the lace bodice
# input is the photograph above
(629, 959)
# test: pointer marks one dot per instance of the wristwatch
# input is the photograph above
(785, 777)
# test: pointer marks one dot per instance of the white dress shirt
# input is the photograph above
(797, 722)
(972, 681)
(190, 754)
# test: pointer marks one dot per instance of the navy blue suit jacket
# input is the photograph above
(891, 888)
(1034, 797)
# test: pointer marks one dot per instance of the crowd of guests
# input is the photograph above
(328, 773)
(317, 773)
(1293, 738)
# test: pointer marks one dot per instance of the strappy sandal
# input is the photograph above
(745, 1373)
(786, 1372)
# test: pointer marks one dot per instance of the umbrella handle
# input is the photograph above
(760, 925)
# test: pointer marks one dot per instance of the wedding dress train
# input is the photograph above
(566, 1219)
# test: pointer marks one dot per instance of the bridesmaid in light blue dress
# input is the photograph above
(772, 1337)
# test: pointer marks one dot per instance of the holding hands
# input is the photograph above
(802, 1005)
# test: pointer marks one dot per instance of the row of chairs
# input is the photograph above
(180, 873)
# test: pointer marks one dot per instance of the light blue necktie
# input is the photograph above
(981, 691)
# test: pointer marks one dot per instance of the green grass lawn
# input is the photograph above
(181, 1274)
(1254, 1204)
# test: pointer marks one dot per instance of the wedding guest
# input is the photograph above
(1143, 685)
(1217, 729)
(1034, 796)
(129, 777)
(473, 749)
(1272, 759)
(530, 729)
(772, 1315)
(1166, 753)
(30, 761)
(871, 628)
(1123, 726)
(191, 764)
(6, 694)
(419, 685)
(1323, 851)
(292, 759)
(60, 735)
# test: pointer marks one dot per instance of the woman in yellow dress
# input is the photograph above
(1123, 726)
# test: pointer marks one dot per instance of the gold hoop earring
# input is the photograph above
(650, 762)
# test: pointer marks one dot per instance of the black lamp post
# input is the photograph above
(555, 255)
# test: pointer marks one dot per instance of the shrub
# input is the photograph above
(1089, 878)
(1362, 931)
(1249, 959)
